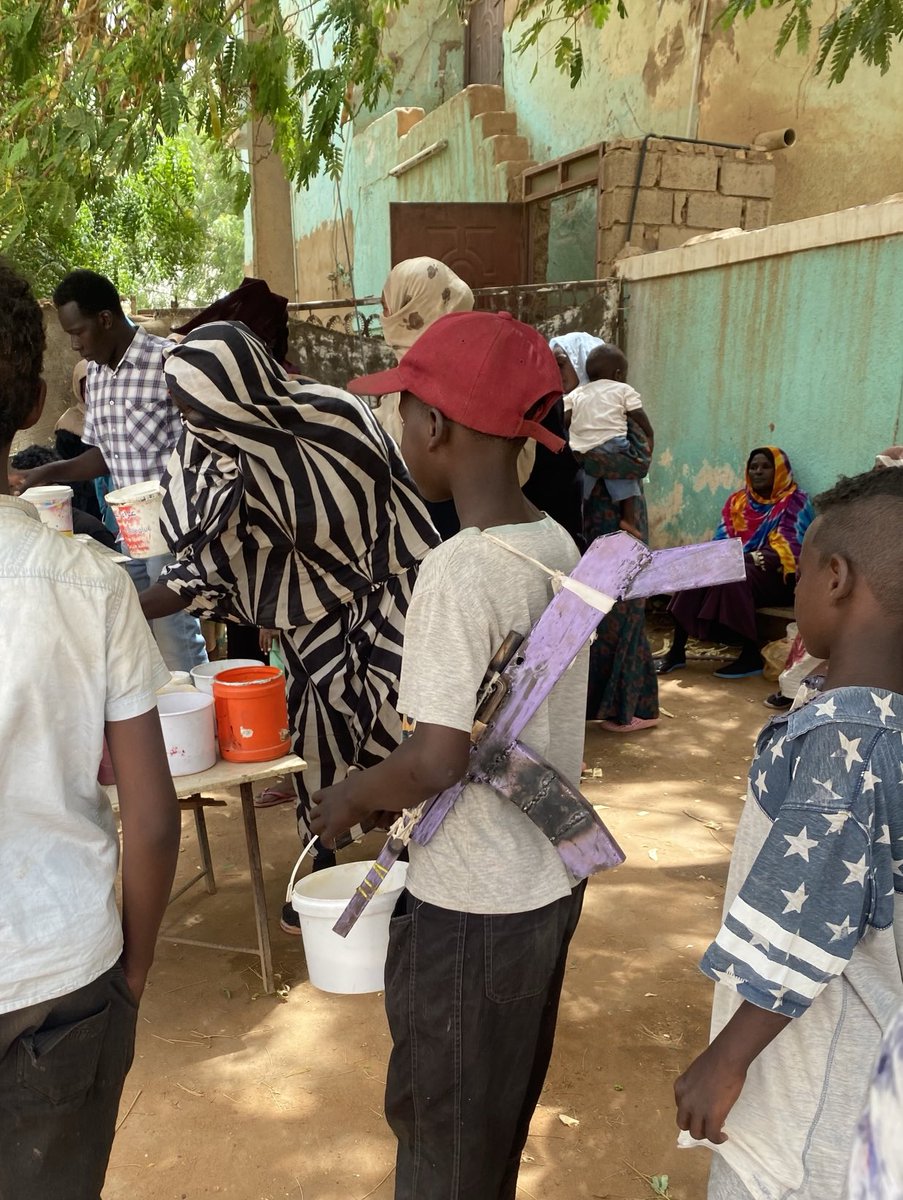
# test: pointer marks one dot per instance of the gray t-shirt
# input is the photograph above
(487, 857)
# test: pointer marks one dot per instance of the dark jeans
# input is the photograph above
(62, 1067)
(472, 1003)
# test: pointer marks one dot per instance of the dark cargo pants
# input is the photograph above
(472, 1003)
(62, 1067)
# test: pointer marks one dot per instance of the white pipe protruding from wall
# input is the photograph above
(775, 139)
(421, 156)
(693, 108)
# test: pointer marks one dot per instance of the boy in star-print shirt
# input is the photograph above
(808, 958)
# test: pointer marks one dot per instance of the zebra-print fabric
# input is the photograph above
(284, 501)
(343, 686)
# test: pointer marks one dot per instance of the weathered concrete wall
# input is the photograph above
(474, 166)
(426, 45)
(685, 191)
(639, 79)
(799, 347)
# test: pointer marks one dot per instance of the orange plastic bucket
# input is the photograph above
(251, 714)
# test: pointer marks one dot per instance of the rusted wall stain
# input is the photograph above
(664, 60)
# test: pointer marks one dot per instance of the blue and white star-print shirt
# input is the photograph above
(809, 930)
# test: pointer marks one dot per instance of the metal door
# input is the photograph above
(483, 243)
(483, 52)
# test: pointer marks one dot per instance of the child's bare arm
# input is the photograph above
(150, 836)
(428, 762)
(710, 1087)
(639, 415)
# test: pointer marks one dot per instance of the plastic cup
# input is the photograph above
(137, 511)
(54, 505)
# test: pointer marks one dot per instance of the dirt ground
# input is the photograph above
(241, 1095)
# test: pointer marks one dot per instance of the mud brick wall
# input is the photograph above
(685, 191)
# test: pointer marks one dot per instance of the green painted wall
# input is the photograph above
(464, 171)
(801, 351)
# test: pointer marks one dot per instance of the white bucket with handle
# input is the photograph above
(356, 963)
(137, 512)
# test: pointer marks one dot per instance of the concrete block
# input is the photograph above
(670, 236)
(696, 174)
(680, 208)
(407, 118)
(491, 123)
(757, 214)
(508, 147)
(611, 243)
(483, 97)
(619, 168)
(747, 179)
(653, 206)
(512, 173)
(708, 210)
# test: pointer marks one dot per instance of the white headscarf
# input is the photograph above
(578, 347)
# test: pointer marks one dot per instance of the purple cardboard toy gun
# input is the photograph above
(523, 673)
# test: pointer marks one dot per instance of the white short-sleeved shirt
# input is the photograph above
(599, 412)
(79, 653)
(487, 856)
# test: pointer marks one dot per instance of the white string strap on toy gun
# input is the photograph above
(595, 598)
(402, 828)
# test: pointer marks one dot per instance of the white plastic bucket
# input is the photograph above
(187, 720)
(204, 674)
(137, 512)
(54, 505)
(356, 963)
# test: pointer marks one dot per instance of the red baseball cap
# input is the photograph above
(483, 370)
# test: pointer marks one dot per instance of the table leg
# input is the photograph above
(260, 902)
(200, 824)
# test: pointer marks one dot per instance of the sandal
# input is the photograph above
(277, 794)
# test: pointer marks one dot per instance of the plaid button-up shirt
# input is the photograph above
(129, 415)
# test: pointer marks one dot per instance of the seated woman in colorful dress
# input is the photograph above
(770, 515)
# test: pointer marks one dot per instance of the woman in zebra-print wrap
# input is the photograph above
(288, 507)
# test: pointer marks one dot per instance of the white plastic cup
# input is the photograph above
(356, 963)
(187, 721)
(203, 675)
(54, 505)
(137, 512)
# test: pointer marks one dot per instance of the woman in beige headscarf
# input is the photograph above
(418, 292)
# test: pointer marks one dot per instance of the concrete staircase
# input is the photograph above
(497, 126)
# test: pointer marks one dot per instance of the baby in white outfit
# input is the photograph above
(597, 420)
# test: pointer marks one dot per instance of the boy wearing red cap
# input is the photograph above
(479, 943)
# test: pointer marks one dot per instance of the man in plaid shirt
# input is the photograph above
(131, 425)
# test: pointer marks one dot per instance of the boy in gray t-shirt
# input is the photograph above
(478, 947)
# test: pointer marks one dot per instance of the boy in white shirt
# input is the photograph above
(83, 666)
(597, 420)
(477, 955)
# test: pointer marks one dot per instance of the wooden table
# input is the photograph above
(225, 776)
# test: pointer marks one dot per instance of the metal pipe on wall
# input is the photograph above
(775, 139)
(641, 162)
(693, 110)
